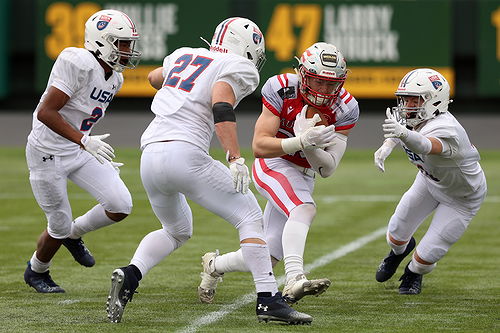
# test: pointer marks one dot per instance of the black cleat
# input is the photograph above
(390, 264)
(79, 251)
(411, 283)
(276, 309)
(123, 286)
(41, 282)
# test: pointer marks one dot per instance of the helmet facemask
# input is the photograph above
(123, 54)
(320, 91)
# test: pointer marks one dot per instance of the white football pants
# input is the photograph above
(48, 178)
(448, 223)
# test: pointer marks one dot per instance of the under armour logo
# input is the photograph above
(126, 294)
(262, 307)
(50, 157)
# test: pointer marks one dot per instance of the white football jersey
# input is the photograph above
(459, 174)
(183, 106)
(79, 75)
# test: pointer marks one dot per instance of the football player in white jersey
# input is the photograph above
(198, 90)
(450, 181)
(290, 151)
(81, 85)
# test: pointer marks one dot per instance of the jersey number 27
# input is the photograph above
(183, 61)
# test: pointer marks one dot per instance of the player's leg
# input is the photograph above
(413, 208)
(211, 186)
(173, 212)
(447, 227)
(289, 191)
(48, 182)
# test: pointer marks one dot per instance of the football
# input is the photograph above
(311, 111)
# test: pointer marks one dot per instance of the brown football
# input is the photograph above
(310, 113)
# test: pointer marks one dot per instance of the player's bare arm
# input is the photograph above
(50, 116)
(265, 144)
(155, 78)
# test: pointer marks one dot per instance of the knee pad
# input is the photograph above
(304, 213)
(59, 224)
(251, 229)
(121, 205)
(419, 268)
(179, 238)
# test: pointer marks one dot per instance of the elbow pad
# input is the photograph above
(223, 111)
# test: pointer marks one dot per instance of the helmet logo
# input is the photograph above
(436, 81)
(406, 80)
(328, 59)
(103, 22)
(257, 36)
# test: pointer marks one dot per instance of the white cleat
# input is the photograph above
(209, 277)
(299, 286)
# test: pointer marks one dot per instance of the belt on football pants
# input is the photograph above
(306, 171)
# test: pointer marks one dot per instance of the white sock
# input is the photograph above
(39, 266)
(93, 219)
(397, 249)
(231, 262)
(258, 260)
(153, 248)
(294, 241)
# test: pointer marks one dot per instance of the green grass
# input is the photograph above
(461, 294)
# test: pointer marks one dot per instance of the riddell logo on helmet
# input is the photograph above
(218, 49)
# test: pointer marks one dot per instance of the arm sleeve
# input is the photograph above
(325, 162)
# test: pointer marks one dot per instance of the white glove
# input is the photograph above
(241, 176)
(302, 123)
(383, 152)
(393, 129)
(98, 148)
(317, 137)
(117, 166)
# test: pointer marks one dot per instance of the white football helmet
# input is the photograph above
(112, 35)
(433, 92)
(322, 71)
(240, 36)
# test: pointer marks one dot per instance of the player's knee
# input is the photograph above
(59, 224)
(304, 213)
(251, 229)
(179, 236)
(116, 217)
(119, 207)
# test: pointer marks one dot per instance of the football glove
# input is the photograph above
(317, 137)
(241, 176)
(302, 123)
(391, 127)
(98, 148)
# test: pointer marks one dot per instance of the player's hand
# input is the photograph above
(99, 149)
(393, 129)
(380, 155)
(317, 137)
(302, 123)
(117, 166)
(241, 176)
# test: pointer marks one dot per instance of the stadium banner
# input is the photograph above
(381, 40)
(489, 48)
(4, 43)
(163, 26)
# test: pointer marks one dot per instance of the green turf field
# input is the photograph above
(345, 244)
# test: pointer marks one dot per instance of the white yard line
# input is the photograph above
(250, 297)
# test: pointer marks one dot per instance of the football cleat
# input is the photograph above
(123, 286)
(276, 309)
(79, 251)
(300, 286)
(41, 282)
(390, 264)
(209, 277)
(411, 283)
